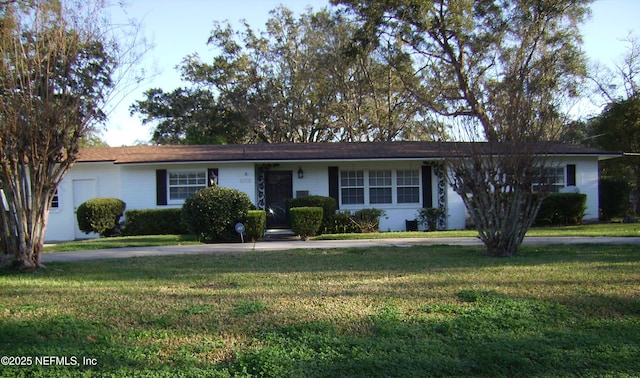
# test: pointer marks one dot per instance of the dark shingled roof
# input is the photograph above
(308, 152)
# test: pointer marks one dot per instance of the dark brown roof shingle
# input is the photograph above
(304, 152)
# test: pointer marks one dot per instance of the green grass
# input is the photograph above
(590, 230)
(122, 242)
(377, 312)
(609, 229)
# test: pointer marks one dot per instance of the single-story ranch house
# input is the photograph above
(398, 177)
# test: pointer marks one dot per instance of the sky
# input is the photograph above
(178, 28)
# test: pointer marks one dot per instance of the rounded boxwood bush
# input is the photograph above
(101, 215)
(212, 213)
(305, 221)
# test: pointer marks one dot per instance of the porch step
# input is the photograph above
(279, 234)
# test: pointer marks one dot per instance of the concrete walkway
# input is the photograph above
(116, 253)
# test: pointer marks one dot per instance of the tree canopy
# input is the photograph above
(617, 128)
(300, 80)
(498, 71)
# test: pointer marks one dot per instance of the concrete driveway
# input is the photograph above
(117, 253)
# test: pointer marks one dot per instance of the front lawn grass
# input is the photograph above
(376, 312)
(603, 229)
(122, 242)
(586, 230)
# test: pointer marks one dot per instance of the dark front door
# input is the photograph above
(278, 190)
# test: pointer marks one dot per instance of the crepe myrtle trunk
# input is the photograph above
(497, 192)
(25, 210)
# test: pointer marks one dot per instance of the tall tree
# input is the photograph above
(498, 70)
(300, 81)
(57, 69)
(189, 116)
(617, 128)
(622, 81)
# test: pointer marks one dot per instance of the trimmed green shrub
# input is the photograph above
(255, 224)
(328, 205)
(562, 209)
(368, 220)
(305, 221)
(154, 222)
(212, 213)
(101, 215)
(614, 198)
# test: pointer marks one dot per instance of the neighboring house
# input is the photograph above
(398, 177)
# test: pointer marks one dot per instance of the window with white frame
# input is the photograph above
(380, 187)
(352, 187)
(553, 177)
(408, 186)
(55, 201)
(183, 184)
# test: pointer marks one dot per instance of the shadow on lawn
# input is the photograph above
(484, 334)
(65, 346)
(416, 259)
(73, 343)
(487, 334)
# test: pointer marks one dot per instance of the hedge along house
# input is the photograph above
(397, 177)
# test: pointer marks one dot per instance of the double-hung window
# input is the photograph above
(380, 188)
(55, 201)
(408, 186)
(352, 187)
(553, 177)
(183, 184)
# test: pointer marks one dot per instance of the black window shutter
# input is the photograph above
(161, 186)
(333, 184)
(571, 175)
(212, 176)
(427, 187)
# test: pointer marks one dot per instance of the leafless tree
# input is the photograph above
(620, 82)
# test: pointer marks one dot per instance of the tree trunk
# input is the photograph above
(497, 192)
(30, 243)
(24, 219)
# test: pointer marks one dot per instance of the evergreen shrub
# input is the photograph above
(614, 198)
(342, 223)
(101, 215)
(429, 216)
(328, 205)
(561, 209)
(367, 220)
(154, 222)
(305, 221)
(212, 213)
(256, 221)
